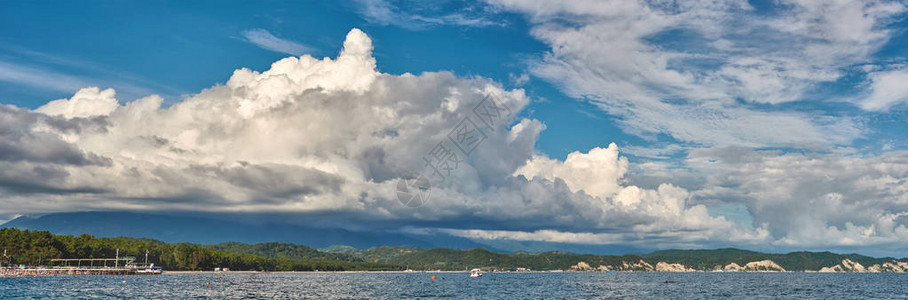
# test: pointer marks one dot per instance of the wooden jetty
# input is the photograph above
(84, 266)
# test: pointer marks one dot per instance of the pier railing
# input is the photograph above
(83, 266)
(93, 262)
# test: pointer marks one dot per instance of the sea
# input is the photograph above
(419, 285)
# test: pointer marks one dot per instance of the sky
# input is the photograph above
(768, 125)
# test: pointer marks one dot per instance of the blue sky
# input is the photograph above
(761, 113)
(175, 49)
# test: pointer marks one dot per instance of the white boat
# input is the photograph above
(475, 273)
(150, 270)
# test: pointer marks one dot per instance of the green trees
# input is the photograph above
(38, 247)
(284, 250)
(30, 247)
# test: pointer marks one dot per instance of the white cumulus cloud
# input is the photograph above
(86, 102)
(312, 136)
(597, 172)
(840, 198)
(332, 136)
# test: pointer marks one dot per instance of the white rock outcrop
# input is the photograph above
(667, 267)
(875, 269)
(896, 266)
(833, 269)
(852, 266)
(581, 266)
(733, 267)
(638, 266)
(848, 265)
(889, 267)
(763, 266)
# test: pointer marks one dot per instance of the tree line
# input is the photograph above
(39, 247)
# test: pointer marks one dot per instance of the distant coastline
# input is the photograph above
(38, 248)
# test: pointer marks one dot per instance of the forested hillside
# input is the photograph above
(285, 250)
(38, 247)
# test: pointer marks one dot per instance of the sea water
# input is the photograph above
(461, 286)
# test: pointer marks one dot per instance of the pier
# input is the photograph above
(84, 266)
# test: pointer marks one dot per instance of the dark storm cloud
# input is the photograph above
(22, 141)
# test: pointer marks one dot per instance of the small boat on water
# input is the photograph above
(150, 270)
(475, 273)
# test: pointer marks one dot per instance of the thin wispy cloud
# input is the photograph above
(49, 71)
(38, 77)
(421, 17)
(720, 83)
(266, 40)
(51, 79)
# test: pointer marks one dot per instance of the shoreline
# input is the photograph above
(530, 272)
(315, 272)
(465, 272)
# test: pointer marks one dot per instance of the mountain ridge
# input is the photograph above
(36, 247)
(202, 230)
(301, 242)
